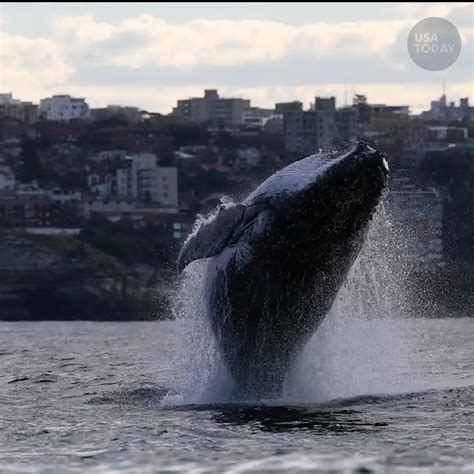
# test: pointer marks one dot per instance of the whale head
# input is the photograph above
(325, 197)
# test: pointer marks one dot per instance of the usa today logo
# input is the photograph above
(434, 44)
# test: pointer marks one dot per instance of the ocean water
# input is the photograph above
(384, 395)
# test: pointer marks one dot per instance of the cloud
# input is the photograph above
(148, 61)
(422, 10)
(145, 42)
(82, 32)
(26, 62)
(221, 42)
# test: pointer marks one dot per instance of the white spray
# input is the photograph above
(357, 350)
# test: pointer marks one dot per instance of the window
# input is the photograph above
(165, 195)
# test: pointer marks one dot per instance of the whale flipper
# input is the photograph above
(211, 237)
(224, 230)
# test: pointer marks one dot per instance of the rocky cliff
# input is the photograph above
(63, 278)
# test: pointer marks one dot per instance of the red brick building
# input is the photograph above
(22, 212)
(27, 112)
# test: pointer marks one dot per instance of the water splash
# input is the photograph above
(358, 348)
(201, 219)
(205, 377)
(363, 347)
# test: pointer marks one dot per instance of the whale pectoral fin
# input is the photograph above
(227, 228)
(211, 238)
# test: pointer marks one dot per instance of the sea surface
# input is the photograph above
(394, 396)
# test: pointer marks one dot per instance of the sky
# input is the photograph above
(152, 54)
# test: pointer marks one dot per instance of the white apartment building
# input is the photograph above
(145, 181)
(63, 108)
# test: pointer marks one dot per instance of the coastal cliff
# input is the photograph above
(43, 277)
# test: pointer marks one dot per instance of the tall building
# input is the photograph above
(27, 112)
(147, 182)
(212, 108)
(347, 123)
(63, 108)
(309, 131)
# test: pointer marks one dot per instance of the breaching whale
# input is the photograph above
(277, 260)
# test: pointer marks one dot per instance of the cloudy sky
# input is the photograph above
(152, 54)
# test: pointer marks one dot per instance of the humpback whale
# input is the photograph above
(276, 260)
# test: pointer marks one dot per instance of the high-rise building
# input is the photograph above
(309, 131)
(212, 108)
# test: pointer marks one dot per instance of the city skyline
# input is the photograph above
(152, 55)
